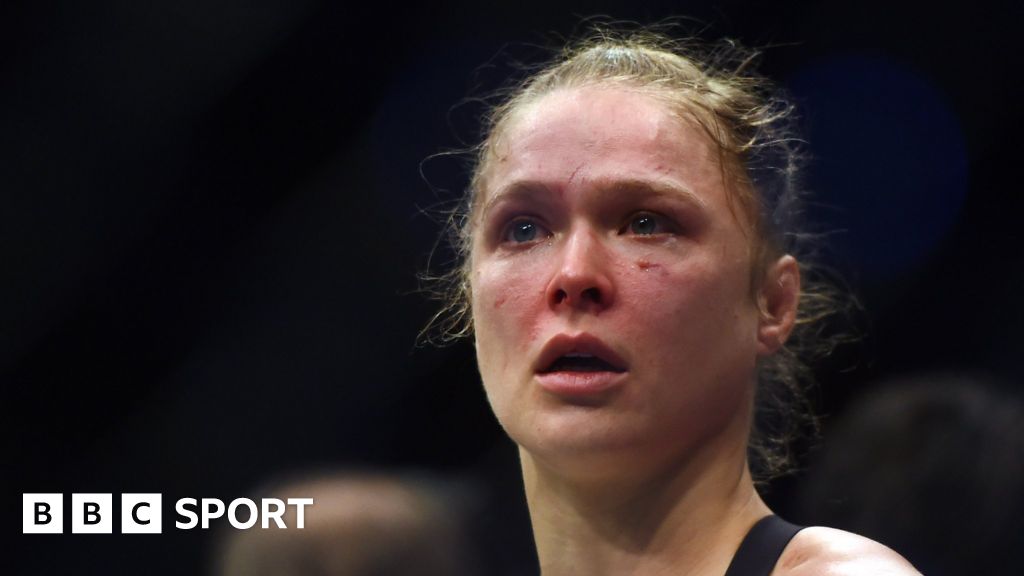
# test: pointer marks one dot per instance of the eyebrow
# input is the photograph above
(632, 186)
(659, 188)
(517, 189)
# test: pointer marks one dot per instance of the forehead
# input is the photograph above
(603, 134)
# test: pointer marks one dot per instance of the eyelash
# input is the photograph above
(663, 225)
(507, 234)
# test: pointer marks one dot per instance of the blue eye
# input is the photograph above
(644, 225)
(523, 231)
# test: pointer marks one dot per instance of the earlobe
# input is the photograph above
(777, 300)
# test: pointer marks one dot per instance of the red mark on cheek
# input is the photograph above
(646, 265)
(500, 301)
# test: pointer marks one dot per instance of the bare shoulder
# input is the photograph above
(826, 551)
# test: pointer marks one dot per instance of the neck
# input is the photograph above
(686, 518)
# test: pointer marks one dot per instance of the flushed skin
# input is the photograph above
(583, 166)
(604, 228)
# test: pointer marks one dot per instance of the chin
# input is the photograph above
(581, 438)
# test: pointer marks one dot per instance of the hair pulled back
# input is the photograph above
(752, 125)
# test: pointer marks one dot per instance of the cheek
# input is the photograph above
(686, 304)
(507, 304)
(694, 331)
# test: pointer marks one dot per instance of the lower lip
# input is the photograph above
(579, 384)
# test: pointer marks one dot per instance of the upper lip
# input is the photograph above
(563, 344)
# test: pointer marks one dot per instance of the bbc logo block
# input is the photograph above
(91, 514)
(140, 513)
(42, 513)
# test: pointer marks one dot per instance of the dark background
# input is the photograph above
(213, 215)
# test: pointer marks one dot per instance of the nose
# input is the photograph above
(582, 280)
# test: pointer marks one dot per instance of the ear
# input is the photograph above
(777, 301)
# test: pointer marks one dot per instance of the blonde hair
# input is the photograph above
(752, 125)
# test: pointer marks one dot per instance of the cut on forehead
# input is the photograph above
(753, 126)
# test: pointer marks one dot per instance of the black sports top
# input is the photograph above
(762, 547)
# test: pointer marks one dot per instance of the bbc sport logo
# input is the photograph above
(142, 513)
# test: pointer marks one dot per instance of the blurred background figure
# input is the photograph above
(360, 524)
(933, 466)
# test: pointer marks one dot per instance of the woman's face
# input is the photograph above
(610, 282)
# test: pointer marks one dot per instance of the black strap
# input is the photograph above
(762, 547)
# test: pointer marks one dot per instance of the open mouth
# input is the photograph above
(580, 368)
(578, 362)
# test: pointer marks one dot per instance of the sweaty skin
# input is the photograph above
(604, 228)
(673, 304)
